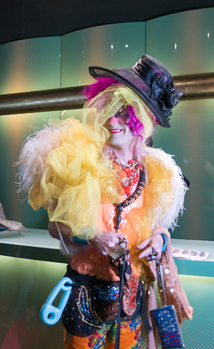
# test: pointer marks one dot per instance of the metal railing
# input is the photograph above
(194, 86)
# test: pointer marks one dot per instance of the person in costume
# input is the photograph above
(106, 191)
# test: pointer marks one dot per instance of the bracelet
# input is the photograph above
(82, 239)
(165, 242)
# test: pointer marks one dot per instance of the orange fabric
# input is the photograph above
(130, 337)
(137, 220)
(94, 263)
(74, 342)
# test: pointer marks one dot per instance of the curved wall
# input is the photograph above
(183, 42)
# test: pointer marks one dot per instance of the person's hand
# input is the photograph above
(107, 239)
(151, 248)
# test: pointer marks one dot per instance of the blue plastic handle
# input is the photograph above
(50, 314)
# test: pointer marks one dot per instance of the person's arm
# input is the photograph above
(174, 292)
(64, 230)
(153, 244)
(101, 241)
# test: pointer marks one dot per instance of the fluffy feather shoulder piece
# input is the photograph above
(34, 154)
(179, 188)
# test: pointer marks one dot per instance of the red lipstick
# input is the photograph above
(115, 130)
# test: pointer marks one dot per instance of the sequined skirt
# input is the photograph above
(93, 304)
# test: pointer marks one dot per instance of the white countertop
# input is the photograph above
(27, 244)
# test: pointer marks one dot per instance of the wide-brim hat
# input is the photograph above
(151, 81)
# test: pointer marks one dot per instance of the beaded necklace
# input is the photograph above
(127, 174)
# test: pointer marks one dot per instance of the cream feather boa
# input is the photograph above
(178, 186)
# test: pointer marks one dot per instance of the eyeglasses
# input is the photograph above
(122, 112)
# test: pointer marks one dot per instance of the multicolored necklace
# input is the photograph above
(128, 174)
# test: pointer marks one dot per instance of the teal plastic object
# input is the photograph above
(50, 314)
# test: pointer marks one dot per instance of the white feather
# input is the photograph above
(34, 154)
(178, 185)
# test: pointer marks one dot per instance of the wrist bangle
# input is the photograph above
(165, 242)
(82, 239)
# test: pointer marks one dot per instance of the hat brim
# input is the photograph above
(130, 79)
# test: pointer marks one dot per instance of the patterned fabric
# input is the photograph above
(130, 337)
(93, 305)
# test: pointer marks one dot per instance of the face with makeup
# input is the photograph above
(120, 133)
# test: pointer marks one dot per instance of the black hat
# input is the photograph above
(150, 80)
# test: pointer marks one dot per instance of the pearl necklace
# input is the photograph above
(127, 174)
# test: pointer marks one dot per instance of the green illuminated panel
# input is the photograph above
(27, 65)
(25, 286)
(111, 46)
(184, 42)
